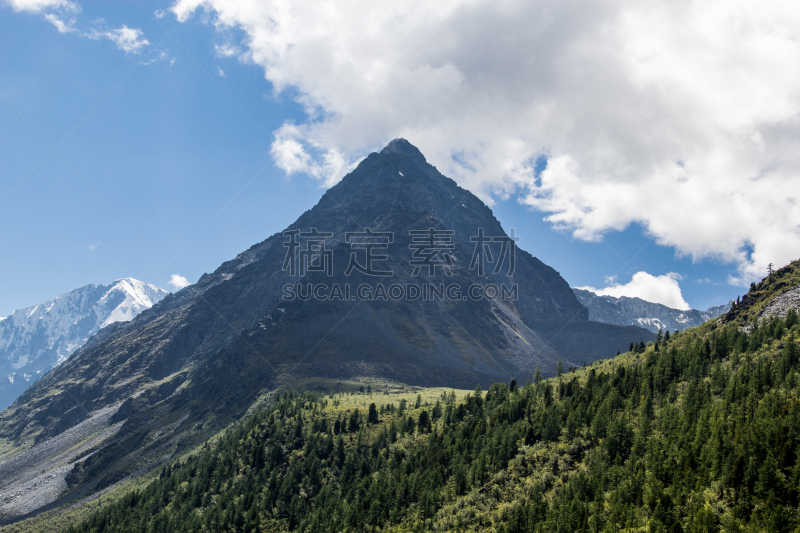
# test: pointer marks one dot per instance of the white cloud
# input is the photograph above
(220, 72)
(93, 247)
(160, 56)
(127, 39)
(38, 6)
(689, 126)
(657, 289)
(227, 50)
(179, 282)
(706, 280)
(63, 26)
(55, 11)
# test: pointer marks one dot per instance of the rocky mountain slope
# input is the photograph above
(271, 317)
(35, 339)
(627, 311)
(773, 297)
(696, 432)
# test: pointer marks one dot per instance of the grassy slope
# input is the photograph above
(346, 401)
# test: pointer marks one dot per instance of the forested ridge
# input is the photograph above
(699, 431)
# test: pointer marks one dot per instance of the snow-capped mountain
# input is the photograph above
(627, 311)
(35, 339)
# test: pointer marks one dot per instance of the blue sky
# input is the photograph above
(163, 160)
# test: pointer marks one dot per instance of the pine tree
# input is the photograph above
(424, 422)
(355, 422)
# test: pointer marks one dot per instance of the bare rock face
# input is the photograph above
(198, 359)
(782, 303)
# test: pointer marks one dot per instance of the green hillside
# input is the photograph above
(699, 431)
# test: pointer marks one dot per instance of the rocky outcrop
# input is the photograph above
(782, 303)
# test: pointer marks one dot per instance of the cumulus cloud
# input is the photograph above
(178, 282)
(657, 289)
(127, 39)
(680, 116)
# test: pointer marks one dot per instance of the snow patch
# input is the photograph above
(654, 322)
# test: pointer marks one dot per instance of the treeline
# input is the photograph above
(699, 432)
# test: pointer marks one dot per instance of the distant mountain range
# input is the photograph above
(627, 311)
(35, 339)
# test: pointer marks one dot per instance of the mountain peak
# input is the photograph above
(403, 147)
(271, 316)
(37, 338)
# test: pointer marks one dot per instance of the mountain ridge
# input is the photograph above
(37, 338)
(627, 310)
